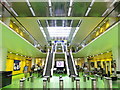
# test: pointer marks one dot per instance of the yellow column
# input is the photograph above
(110, 67)
(106, 67)
(95, 64)
(102, 64)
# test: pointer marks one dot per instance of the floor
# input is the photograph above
(54, 82)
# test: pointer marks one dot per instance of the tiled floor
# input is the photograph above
(54, 82)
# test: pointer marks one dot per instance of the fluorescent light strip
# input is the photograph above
(113, 3)
(69, 11)
(92, 3)
(79, 23)
(88, 11)
(71, 23)
(39, 23)
(63, 23)
(47, 23)
(6, 2)
(105, 12)
(118, 15)
(49, 1)
(71, 2)
(50, 11)
(13, 11)
(28, 3)
(33, 13)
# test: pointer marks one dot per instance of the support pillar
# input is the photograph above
(3, 58)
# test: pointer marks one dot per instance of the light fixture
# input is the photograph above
(80, 21)
(0, 15)
(69, 11)
(49, 1)
(50, 11)
(33, 13)
(105, 12)
(77, 28)
(13, 11)
(6, 3)
(47, 23)
(10, 52)
(16, 54)
(59, 31)
(41, 28)
(88, 11)
(71, 23)
(71, 2)
(92, 3)
(28, 3)
(118, 15)
(113, 3)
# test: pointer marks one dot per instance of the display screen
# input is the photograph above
(59, 63)
(16, 65)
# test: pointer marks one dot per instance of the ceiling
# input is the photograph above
(15, 43)
(108, 41)
(58, 12)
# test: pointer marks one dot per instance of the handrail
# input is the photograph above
(73, 62)
(53, 63)
(66, 62)
(46, 62)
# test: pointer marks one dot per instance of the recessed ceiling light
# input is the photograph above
(105, 12)
(28, 3)
(33, 13)
(92, 3)
(71, 2)
(13, 11)
(49, 1)
(88, 11)
(69, 11)
(113, 3)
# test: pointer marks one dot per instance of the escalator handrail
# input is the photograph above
(67, 64)
(53, 63)
(46, 62)
(75, 70)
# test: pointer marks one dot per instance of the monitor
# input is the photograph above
(59, 63)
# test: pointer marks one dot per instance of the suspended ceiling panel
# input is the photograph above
(15, 43)
(87, 25)
(108, 41)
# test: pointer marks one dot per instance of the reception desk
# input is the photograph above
(5, 78)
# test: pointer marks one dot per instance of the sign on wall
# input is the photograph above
(16, 65)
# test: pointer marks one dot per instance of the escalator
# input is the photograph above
(49, 62)
(49, 65)
(71, 65)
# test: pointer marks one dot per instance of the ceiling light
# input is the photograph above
(6, 3)
(71, 23)
(79, 23)
(119, 15)
(92, 3)
(113, 3)
(105, 12)
(71, 2)
(59, 31)
(49, 1)
(50, 11)
(47, 23)
(33, 13)
(10, 52)
(13, 11)
(69, 11)
(87, 11)
(28, 3)
(16, 54)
